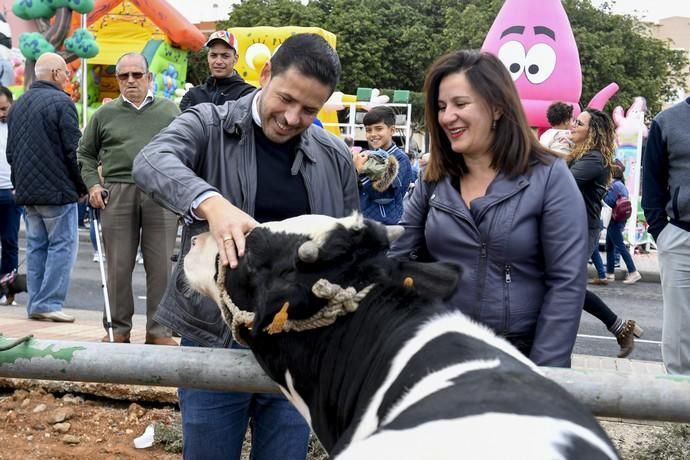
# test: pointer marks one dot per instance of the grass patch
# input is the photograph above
(169, 437)
(672, 443)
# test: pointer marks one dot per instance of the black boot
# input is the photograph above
(625, 332)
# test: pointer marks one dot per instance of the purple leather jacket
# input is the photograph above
(522, 248)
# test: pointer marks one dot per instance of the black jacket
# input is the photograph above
(42, 137)
(217, 91)
(592, 177)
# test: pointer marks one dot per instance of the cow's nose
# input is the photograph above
(194, 240)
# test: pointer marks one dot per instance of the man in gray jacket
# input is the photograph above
(666, 204)
(225, 168)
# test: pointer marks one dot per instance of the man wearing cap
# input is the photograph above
(224, 84)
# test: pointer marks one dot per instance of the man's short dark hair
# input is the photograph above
(311, 55)
(379, 114)
(8, 94)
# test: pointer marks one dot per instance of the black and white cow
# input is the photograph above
(400, 377)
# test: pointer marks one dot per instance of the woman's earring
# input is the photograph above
(493, 126)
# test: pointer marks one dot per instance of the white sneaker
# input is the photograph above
(611, 276)
(140, 259)
(97, 258)
(56, 316)
(632, 278)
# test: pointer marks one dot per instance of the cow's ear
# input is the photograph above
(365, 242)
(282, 301)
(436, 280)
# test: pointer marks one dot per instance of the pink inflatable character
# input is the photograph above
(534, 40)
(630, 124)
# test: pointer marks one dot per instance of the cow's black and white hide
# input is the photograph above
(401, 377)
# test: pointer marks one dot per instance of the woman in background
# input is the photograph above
(614, 232)
(495, 201)
(594, 143)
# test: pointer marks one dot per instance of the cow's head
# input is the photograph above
(284, 260)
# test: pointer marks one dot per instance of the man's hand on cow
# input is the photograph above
(97, 200)
(228, 225)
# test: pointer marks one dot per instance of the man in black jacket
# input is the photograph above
(224, 84)
(43, 133)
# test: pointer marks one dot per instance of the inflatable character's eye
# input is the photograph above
(256, 56)
(512, 54)
(540, 62)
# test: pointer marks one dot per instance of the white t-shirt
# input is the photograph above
(5, 182)
(557, 139)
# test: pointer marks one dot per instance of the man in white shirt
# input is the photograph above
(9, 211)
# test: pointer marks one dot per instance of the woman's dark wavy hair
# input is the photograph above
(601, 136)
(514, 144)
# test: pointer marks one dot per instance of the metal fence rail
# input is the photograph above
(609, 394)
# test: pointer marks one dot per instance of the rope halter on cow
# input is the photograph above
(340, 302)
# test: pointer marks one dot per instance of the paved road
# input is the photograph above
(85, 290)
(641, 302)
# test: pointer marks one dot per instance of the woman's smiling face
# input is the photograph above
(464, 116)
(579, 130)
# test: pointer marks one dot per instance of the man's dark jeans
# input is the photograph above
(10, 214)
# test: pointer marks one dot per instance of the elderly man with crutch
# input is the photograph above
(114, 135)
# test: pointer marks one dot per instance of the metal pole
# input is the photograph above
(621, 395)
(84, 83)
(204, 368)
(606, 393)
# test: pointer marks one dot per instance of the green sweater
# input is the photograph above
(116, 133)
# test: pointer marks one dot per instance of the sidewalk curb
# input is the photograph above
(647, 276)
(84, 235)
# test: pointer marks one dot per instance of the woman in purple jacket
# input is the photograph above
(496, 202)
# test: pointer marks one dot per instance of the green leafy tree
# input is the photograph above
(391, 43)
(52, 35)
(619, 48)
(197, 67)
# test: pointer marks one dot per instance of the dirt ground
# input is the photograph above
(35, 424)
(40, 425)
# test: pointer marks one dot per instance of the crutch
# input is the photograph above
(95, 217)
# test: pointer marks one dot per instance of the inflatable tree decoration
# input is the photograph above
(52, 34)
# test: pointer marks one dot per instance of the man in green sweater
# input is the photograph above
(113, 137)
